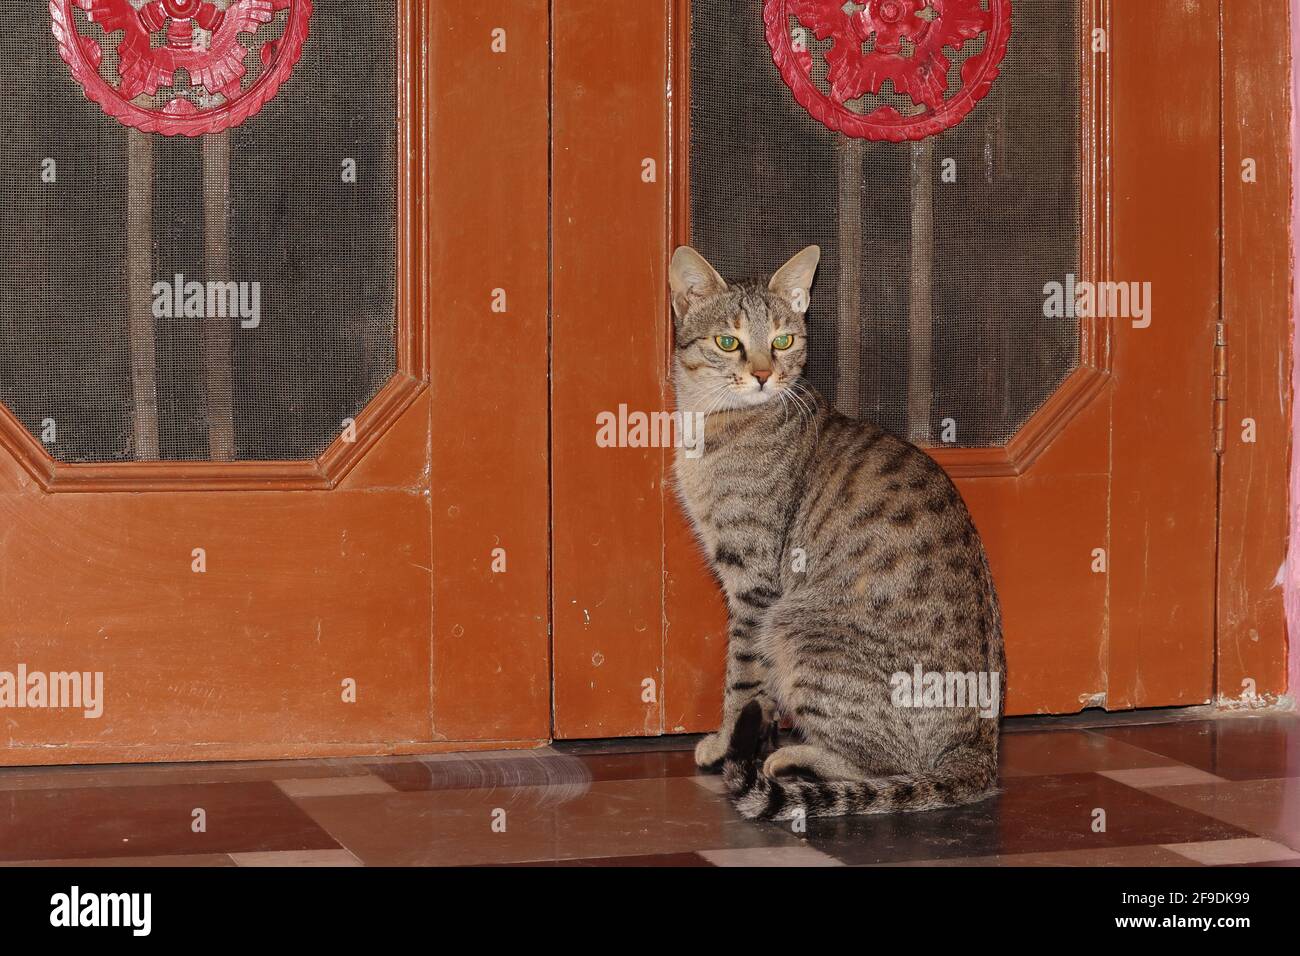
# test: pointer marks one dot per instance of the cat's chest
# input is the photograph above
(709, 486)
(696, 485)
(720, 497)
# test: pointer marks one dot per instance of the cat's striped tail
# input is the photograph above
(965, 775)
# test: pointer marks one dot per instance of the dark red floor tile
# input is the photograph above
(512, 769)
(1033, 814)
(614, 818)
(1267, 808)
(533, 769)
(162, 774)
(636, 803)
(642, 766)
(1235, 748)
(1070, 751)
(153, 821)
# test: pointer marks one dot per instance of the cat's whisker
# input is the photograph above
(808, 401)
(710, 399)
(717, 397)
(795, 399)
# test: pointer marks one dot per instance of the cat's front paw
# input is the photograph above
(710, 751)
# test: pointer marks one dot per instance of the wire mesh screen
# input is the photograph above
(927, 314)
(106, 234)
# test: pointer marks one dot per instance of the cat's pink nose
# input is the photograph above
(762, 374)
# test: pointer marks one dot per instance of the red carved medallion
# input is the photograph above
(206, 39)
(911, 43)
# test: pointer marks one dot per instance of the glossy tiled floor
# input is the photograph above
(1185, 792)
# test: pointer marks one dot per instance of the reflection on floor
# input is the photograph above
(1221, 791)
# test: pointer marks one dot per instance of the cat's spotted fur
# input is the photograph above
(846, 555)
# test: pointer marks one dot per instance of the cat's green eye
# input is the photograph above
(728, 343)
(783, 342)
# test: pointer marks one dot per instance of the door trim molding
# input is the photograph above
(1256, 309)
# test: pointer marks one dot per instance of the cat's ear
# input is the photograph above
(692, 280)
(794, 279)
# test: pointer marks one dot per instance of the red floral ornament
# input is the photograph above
(907, 42)
(160, 38)
(890, 21)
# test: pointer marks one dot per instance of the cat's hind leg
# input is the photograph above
(808, 761)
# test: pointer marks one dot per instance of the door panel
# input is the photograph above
(608, 313)
(411, 561)
(1118, 460)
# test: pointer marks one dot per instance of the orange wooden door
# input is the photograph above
(388, 593)
(1098, 510)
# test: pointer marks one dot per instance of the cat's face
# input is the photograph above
(743, 344)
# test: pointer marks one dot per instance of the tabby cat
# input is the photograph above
(861, 603)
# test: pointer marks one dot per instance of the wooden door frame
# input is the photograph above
(1256, 362)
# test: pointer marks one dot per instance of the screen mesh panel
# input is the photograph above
(95, 217)
(927, 313)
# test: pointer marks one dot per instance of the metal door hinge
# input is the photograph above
(1220, 387)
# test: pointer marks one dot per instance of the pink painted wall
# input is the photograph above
(1292, 569)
